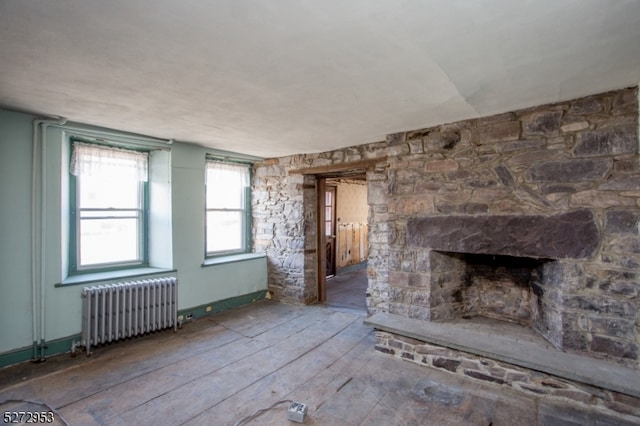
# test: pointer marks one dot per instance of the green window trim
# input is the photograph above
(245, 210)
(73, 259)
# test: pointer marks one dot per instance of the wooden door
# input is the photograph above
(330, 230)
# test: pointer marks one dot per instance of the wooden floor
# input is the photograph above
(221, 369)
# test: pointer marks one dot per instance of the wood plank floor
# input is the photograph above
(219, 370)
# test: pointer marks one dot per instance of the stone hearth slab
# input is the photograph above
(513, 350)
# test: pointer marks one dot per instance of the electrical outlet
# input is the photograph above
(296, 412)
(208, 309)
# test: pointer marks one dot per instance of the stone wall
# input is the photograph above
(577, 157)
(483, 369)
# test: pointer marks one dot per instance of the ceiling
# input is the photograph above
(273, 78)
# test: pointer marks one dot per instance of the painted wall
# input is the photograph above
(351, 217)
(352, 204)
(15, 234)
(177, 232)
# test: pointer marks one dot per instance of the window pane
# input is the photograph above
(327, 199)
(224, 231)
(108, 240)
(328, 228)
(225, 186)
(120, 190)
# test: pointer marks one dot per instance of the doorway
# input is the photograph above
(342, 240)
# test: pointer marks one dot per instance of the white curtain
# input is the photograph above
(225, 184)
(93, 160)
(220, 171)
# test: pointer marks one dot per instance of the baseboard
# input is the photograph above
(219, 306)
(52, 347)
(63, 345)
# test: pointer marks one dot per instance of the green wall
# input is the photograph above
(178, 234)
(15, 231)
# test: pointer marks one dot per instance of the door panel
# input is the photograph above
(330, 230)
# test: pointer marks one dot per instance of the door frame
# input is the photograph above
(321, 173)
(321, 247)
(321, 186)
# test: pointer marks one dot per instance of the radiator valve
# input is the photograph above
(296, 412)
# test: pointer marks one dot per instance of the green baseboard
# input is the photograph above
(63, 345)
(220, 306)
(52, 347)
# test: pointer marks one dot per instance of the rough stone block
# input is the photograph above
(615, 141)
(395, 138)
(483, 376)
(574, 127)
(587, 105)
(531, 157)
(602, 305)
(413, 205)
(499, 132)
(446, 363)
(613, 327)
(600, 199)
(622, 221)
(384, 350)
(419, 312)
(440, 166)
(616, 348)
(437, 141)
(568, 235)
(622, 183)
(421, 298)
(398, 279)
(544, 123)
(569, 170)
(504, 174)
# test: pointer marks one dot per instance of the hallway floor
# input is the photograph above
(348, 290)
(223, 369)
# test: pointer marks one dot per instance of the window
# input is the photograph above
(227, 198)
(108, 208)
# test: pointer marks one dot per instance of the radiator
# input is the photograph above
(117, 311)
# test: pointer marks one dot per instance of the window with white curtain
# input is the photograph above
(227, 209)
(108, 207)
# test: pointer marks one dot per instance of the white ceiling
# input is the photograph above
(273, 78)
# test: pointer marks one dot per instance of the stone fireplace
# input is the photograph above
(529, 218)
(512, 268)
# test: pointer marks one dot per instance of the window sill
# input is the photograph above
(232, 258)
(111, 275)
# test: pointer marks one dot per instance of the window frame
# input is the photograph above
(246, 210)
(74, 221)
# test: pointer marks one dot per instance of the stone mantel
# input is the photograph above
(572, 235)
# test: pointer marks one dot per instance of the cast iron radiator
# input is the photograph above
(117, 311)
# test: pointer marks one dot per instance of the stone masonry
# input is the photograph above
(482, 369)
(558, 182)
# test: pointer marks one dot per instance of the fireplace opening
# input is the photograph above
(504, 288)
(516, 290)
